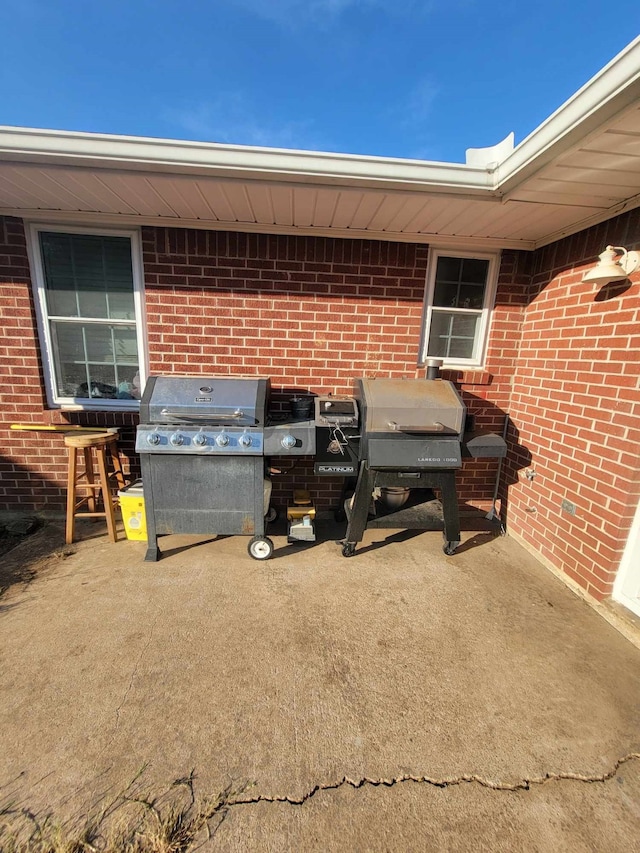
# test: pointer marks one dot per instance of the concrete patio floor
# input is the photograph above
(444, 689)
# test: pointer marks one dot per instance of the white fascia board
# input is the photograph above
(30, 145)
(610, 91)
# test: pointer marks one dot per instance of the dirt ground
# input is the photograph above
(395, 700)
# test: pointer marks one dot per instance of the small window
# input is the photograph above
(459, 297)
(90, 315)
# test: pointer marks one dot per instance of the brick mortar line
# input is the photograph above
(522, 785)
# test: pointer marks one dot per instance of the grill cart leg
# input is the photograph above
(450, 512)
(152, 554)
(260, 547)
(359, 511)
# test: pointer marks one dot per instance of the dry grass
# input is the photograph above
(133, 821)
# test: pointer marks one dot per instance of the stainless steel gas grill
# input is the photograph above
(201, 446)
(411, 434)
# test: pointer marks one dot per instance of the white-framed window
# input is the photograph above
(89, 295)
(459, 296)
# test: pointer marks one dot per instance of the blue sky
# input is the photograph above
(397, 78)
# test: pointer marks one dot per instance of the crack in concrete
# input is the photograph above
(134, 672)
(522, 785)
(125, 696)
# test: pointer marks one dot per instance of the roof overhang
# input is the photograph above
(581, 166)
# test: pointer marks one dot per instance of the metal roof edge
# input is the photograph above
(32, 145)
(612, 89)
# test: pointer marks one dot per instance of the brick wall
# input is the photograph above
(576, 408)
(306, 311)
(312, 313)
(25, 470)
(32, 465)
(487, 393)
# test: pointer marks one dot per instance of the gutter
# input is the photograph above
(612, 90)
(601, 100)
(105, 151)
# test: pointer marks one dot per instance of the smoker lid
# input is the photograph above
(170, 399)
(412, 403)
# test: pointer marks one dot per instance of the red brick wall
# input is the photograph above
(309, 312)
(487, 393)
(32, 465)
(576, 407)
(313, 313)
(25, 470)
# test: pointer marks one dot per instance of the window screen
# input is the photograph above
(91, 316)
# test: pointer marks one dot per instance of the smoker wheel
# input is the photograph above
(272, 515)
(260, 548)
(348, 549)
(450, 547)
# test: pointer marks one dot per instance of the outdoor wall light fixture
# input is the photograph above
(611, 268)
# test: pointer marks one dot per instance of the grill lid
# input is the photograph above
(429, 407)
(204, 399)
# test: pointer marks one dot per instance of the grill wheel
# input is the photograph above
(260, 548)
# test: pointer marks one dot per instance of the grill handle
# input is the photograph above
(427, 429)
(203, 416)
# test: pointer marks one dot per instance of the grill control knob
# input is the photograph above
(222, 440)
(288, 441)
(176, 439)
(153, 439)
(245, 440)
(200, 439)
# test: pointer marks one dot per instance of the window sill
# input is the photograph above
(134, 406)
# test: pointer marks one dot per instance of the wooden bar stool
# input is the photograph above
(88, 442)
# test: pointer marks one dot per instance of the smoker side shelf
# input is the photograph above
(483, 445)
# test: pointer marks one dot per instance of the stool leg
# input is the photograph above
(88, 472)
(117, 465)
(71, 496)
(106, 494)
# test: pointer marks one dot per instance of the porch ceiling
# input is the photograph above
(579, 167)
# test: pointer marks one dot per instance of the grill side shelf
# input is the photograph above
(484, 445)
